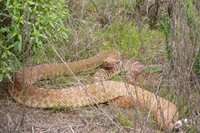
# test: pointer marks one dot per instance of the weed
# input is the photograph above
(124, 121)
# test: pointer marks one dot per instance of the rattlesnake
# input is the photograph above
(24, 92)
(131, 69)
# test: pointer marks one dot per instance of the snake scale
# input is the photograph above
(25, 92)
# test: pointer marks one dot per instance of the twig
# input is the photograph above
(94, 6)
(70, 127)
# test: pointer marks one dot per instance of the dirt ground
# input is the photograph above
(107, 118)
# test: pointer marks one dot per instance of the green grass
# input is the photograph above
(124, 121)
(122, 36)
(126, 38)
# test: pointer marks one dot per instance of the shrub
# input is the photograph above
(32, 24)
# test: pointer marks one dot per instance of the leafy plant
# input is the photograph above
(32, 25)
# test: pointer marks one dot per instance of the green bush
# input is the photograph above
(197, 63)
(31, 25)
(193, 20)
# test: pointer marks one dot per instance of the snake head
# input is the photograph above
(109, 62)
(112, 59)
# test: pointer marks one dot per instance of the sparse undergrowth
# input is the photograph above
(112, 27)
(147, 45)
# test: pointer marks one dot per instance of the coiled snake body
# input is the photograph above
(24, 92)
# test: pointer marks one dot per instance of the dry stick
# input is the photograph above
(180, 123)
(122, 69)
(185, 121)
(127, 88)
(86, 122)
(10, 120)
(33, 129)
(94, 6)
(161, 111)
(82, 86)
(70, 127)
(25, 36)
(139, 28)
(196, 54)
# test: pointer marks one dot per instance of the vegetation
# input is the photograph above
(26, 27)
(124, 121)
(164, 36)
